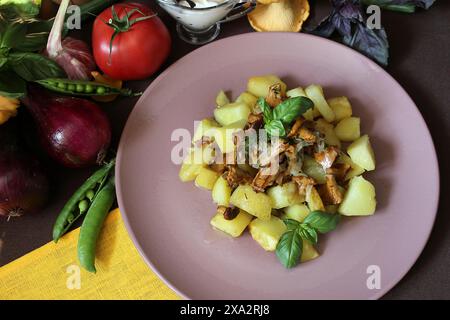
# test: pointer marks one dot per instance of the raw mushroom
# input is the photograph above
(279, 15)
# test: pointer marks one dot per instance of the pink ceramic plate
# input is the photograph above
(169, 220)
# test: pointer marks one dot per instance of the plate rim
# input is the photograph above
(398, 87)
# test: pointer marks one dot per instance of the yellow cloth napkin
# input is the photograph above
(53, 272)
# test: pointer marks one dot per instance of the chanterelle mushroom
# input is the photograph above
(329, 192)
(274, 97)
(281, 15)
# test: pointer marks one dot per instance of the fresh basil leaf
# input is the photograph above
(11, 85)
(321, 221)
(25, 9)
(3, 61)
(289, 249)
(290, 109)
(291, 224)
(33, 66)
(275, 128)
(11, 34)
(266, 110)
(308, 233)
(33, 42)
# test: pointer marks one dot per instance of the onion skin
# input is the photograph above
(24, 186)
(74, 132)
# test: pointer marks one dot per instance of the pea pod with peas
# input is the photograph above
(84, 88)
(93, 199)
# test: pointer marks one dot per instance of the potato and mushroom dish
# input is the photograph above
(284, 164)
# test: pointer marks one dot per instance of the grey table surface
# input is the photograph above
(420, 62)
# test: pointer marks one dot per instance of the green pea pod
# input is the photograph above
(92, 224)
(83, 88)
(66, 218)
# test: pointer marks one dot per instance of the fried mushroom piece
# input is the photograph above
(303, 182)
(274, 97)
(229, 213)
(254, 121)
(264, 179)
(295, 127)
(236, 176)
(329, 192)
(307, 135)
(326, 157)
(339, 170)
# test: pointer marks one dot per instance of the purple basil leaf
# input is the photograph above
(325, 28)
(371, 42)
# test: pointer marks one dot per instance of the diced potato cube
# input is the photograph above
(205, 128)
(189, 172)
(222, 99)
(341, 107)
(315, 93)
(233, 227)
(327, 129)
(309, 252)
(354, 171)
(296, 212)
(313, 199)
(359, 200)
(257, 204)
(361, 153)
(311, 114)
(285, 195)
(259, 85)
(248, 99)
(348, 129)
(209, 154)
(221, 192)
(232, 113)
(313, 169)
(224, 137)
(206, 178)
(296, 92)
(267, 232)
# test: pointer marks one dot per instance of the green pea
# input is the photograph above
(90, 194)
(89, 88)
(62, 85)
(83, 205)
(101, 90)
(79, 88)
(71, 87)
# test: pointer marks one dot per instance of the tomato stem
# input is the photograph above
(123, 24)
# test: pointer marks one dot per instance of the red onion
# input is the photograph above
(70, 54)
(23, 184)
(75, 132)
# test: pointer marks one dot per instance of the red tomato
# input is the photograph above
(137, 52)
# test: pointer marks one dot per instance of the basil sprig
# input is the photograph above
(277, 120)
(290, 247)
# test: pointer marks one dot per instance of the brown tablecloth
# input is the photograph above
(420, 62)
